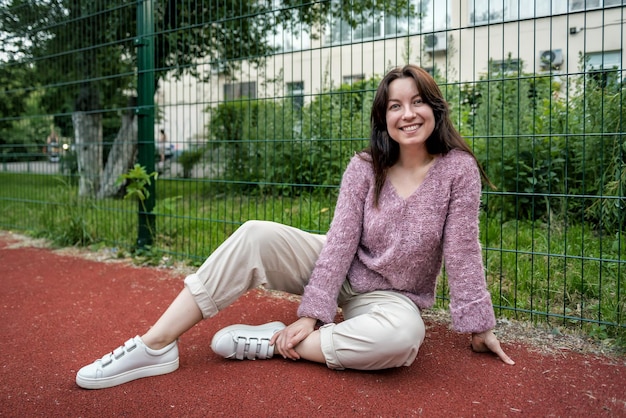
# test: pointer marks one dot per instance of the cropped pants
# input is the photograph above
(381, 329)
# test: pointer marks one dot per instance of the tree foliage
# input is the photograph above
(84, 41)
(17, 98)
(15, 79)
(84, 52)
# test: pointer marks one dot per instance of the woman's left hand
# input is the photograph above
(486, 341)
(286, 340)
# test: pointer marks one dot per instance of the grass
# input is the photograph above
(192, 217)
(565, 274)
(556, 271)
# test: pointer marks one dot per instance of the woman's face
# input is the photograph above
(410, 121)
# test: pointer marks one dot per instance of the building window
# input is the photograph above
(295, 90)
(288, 40)
(579, 5)
(353, 78)
(507, 66)
(604, 67)
(484, 12)
(287, 37)
(424, 16)
(576, 5)
(604, 60)
(340, 31)
(233, 91)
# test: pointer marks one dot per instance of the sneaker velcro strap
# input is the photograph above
(128, 346)
(118, 352)
(265, 349)
(241, 348)
(252, 348)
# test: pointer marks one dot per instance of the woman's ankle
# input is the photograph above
(155, 343)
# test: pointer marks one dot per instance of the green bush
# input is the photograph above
(189, 159)
(265, 146)
(67, 221)
(551, 154)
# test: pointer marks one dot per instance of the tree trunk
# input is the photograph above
(88, 137)
(120, 158)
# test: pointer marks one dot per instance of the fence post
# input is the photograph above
(145, 113)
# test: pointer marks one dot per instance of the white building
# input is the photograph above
(462, 39)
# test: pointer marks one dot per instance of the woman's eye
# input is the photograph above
(418, 101)
(394, 106)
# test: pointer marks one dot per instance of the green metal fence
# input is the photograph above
(252, 109)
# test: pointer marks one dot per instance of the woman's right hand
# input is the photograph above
(286, 340)
(487, 341)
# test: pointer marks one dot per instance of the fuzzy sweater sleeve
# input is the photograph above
(470, 302)
(320, 295)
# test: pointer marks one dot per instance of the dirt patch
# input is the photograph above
(93, 253)
(542, 338)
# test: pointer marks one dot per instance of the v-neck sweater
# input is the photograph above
(400, 244)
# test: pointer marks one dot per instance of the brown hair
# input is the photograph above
(384, 151)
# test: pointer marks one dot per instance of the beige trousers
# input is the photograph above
(382, 329)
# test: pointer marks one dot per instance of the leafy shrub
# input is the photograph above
(549, 153)
(271, 145)
(67, 220)
(189, 159)
(501, 121)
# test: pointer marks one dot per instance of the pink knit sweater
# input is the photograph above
(400, 245)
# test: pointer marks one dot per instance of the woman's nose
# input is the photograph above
(409, 113)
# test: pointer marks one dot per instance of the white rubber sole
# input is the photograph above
(108, 382)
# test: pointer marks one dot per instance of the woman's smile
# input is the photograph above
(410, 128)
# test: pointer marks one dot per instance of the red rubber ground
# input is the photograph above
(59, 313)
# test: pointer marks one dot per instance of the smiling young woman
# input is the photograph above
(410, 122)
(406, 205)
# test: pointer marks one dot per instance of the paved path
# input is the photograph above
(167, 169)
(59, 312)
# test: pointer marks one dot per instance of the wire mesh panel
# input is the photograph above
(70, 98)
(259, 105)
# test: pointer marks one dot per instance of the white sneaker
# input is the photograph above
(131, 361)
(246, 341)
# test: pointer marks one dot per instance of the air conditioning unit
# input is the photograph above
(551, 59)
(436, 42)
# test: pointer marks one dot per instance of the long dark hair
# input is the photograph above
(384, 151)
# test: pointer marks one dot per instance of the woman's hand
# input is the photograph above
(483, 342)
(286, 340)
